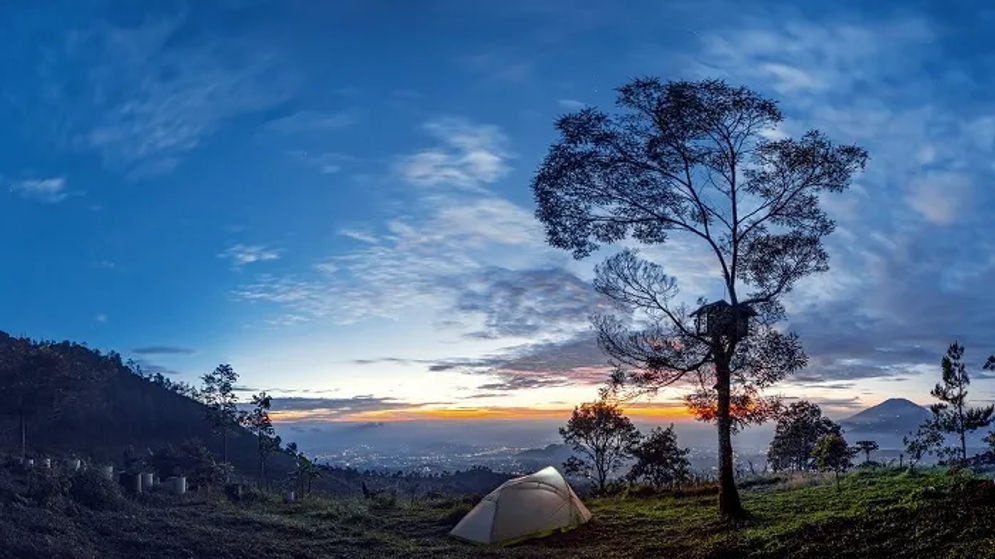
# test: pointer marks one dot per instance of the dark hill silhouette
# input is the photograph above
(123, 412)
(113, 411)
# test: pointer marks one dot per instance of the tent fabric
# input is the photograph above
(526, 507)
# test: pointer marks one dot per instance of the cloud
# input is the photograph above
(290, 410)
(327, 163)
(425, 263)
(51, 190)
(241, 255)
(101, 317)
(939, 197)
(143, 96)
(311, 121)
(469, 155)
(571, 104)
(498, 66)
(163, 350)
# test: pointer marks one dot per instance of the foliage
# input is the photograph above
(602, 437)
(218, 394)
(832, 454)
(926, 440)
(43, 378)
(660, 462)
(798, 429)
(695, 160)
(192, 460)
(952, 414)
(257, 421)
(867, 447)
(305, 472)
(159, 379)
(92, 490)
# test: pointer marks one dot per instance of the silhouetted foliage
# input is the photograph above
(43, 379)
(952, 414)
(798, 428)
(603, 437)
(159, 379)
(832, 454)
(257, 421)
(694, 159)
(867, 447)
(926, 440)
(218, 394)
(660, 462)
(192, 460)
(304, 474)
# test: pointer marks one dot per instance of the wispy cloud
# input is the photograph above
(163, 350)
(571, 104)
(241, 255)
(470, 155)
(939, 196)
(143, 96)
(311, 121)
(51, 190)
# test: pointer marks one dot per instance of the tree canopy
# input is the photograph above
(602, 437)
(799, 427)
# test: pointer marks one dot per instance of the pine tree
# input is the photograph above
(952, 414)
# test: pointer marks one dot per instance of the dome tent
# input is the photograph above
(526, 507)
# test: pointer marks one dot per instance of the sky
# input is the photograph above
(334, 196)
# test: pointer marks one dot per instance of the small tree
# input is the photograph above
(867, 447)
(659, 460)
(832, 454)
(257, 421)
(952, 414)
(603, 437)
(218, 394)
(305, 472)
(799, 426)
(926, 440)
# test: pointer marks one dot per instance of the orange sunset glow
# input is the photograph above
(651, 411)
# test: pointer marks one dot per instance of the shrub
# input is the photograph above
(386, 500)
(92, 490)
(44, 486)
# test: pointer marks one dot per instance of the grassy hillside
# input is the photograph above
(883, 514)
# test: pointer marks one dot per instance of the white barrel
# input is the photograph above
(289, 496)
(31, 462)
(73, 464)
(147, 481)
(46, 462)
(107, 472)
(177, 485)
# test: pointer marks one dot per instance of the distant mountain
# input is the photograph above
(896, 416)
(551, 455)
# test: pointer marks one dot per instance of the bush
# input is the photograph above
(383, 501)
(92, 490)
(44, 486)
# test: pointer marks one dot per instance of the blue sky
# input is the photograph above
(334, 197)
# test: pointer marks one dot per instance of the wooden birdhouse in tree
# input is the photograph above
(722, 319)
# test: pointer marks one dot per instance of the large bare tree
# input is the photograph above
(702, 162)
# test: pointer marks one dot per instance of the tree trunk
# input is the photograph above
(963, 447)
(729, 503)
(224, 445)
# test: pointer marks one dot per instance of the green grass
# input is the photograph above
(874, 514)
